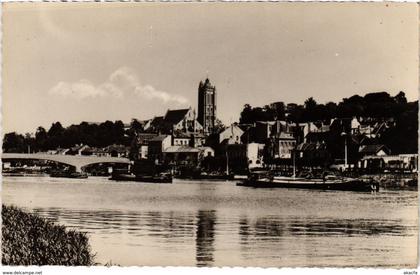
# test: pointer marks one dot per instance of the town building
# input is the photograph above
(262, 131)
(181, 139)
(207, 106)
(157, 145)
(154, 125)
(284, 145)
(374, 150)
(181, 120)
(175, 121)
(142, 140)
(117, 150)
(389, 163)
(186, 155)
(242, 157)
(231, 135)
(312, 154)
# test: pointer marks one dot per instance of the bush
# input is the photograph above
(31, 240)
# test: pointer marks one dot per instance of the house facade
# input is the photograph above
(231, 135)
(157, 145)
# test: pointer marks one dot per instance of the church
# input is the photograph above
(183, 122)
(207, 106)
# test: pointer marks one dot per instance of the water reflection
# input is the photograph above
(277, 227)
(204, 241)
(259, 238)
(214, 224)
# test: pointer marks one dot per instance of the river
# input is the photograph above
(192, 223)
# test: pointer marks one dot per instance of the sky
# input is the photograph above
(74, 62)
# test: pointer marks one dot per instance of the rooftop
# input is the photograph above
(159, 138)
(181, 149)
(374, 148)
(175, 116)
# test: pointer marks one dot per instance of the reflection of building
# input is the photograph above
(206, 221)
(207, 106)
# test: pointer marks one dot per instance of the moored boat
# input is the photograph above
(205, 176)
(66, 174)
(160, 178)
(327, 183)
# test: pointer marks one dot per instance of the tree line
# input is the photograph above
(376, 107)
(95, 135)
(373, 105)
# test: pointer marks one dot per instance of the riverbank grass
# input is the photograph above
(28, 239)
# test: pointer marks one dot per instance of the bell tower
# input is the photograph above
(206, 106)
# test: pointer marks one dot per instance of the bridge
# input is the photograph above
(76, 161)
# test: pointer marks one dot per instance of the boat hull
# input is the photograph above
(206, 177)
(74, 175)
(343, 185)
(138, 178)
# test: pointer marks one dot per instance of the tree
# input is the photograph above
(331, 109)
(310, 104)
(400, 98)
(41, 138)
(134, 149)
(297, 114)
(55, 135)
(13, 143)
(136, 126)
(246, 114)
(279, 110)
(119, 133)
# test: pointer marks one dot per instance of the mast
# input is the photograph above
(227, 162)
(294, 163)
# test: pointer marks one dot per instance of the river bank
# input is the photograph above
(28, 239)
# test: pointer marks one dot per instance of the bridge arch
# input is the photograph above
(75, 161)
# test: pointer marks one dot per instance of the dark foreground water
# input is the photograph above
(219, 224)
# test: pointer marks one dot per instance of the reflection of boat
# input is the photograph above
(66, 174)
(261, 180)
(160, 178)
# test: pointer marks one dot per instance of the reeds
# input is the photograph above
(31, 240)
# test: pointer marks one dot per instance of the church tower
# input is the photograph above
(206, 106)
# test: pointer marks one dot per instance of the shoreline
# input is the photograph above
(386, 180)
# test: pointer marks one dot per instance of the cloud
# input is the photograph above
(120, 83)
(151, 93)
